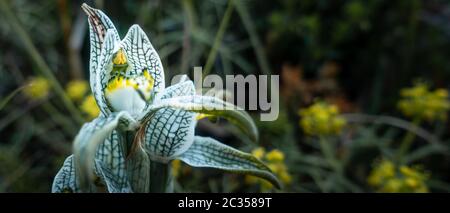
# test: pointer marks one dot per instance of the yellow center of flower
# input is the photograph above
(120, 58)
(126, 91)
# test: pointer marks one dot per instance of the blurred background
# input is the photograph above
(363, 91)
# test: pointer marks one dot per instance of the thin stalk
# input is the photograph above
(219, 36)
(189, 25)
(5, 100)
(328, 151)
(59, 118)
(407, 142)
(243, 12)
(43, 68)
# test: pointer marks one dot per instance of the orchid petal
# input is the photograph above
(89, 138)
(211, 106)
(111, 165)
(65, 180)
(99, 25)
(141, 55)
(167, 133)
(207, 152)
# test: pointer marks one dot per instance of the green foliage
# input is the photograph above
(378, 47)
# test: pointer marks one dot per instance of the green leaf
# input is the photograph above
(90, 137)
(65, 180)
(212, 106)
(207, 152)
(6, 99)
(425, 151)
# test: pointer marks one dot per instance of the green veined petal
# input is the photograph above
(168, 132)
(65, 180)
(141, 55)
(207, 152)
(91, 135)
(181, 89)
(99, 25)
(138, 170)
(111, 165)
(104, 71)
(212, 106)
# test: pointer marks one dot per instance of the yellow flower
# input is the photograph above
(321, 119)
(285, 177)
(77, 89)
(386, 177)
(90, 108)
(392, 186)
(38, 88)
(411, 182)
(382, 171)
(275, 156)
(259, 152)
(275, 161)
(419, 102)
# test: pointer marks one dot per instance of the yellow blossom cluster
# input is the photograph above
(275, 161)
(78, 92)
(321, 119)
(419, 102)
(389, 178)
(77, 89)
(89, 107)
(37, 88)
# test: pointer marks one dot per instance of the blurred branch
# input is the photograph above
(392, 121)
(219, 36)
(242, 10)
(189, 25)
(203, 37)
(5, 100)
(43, 68)
(73, 38)
(15, 175)
(75, 45)
(53, 139)
(15, 114)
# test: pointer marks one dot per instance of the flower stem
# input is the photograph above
(328, 151)
(407, 142)
(249, 25)
(218, 40)
(160, 177)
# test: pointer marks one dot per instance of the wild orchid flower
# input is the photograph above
(143, 125)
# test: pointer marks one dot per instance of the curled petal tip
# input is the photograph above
(87, 9)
